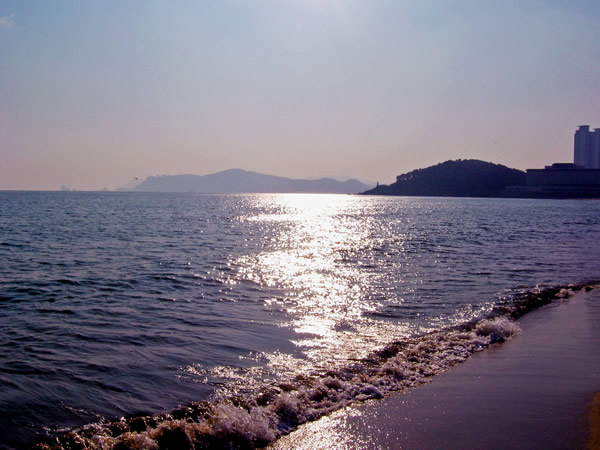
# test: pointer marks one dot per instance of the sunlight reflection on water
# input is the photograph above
(314, 259)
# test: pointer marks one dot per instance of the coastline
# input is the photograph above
(536, 390)
(400, 367)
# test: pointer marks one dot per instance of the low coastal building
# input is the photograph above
(563, 180)
(580, 179)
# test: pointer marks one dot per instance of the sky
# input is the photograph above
(93, 94)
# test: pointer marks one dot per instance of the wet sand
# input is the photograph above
(594, 441)
(538, 390)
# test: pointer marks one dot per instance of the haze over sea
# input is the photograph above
(119, 303)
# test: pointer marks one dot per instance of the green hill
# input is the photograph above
(460, 178)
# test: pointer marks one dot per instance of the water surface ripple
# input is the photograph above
(119, 303)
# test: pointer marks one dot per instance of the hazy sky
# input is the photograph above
(93, 94)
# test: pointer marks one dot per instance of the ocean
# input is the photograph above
(260, 311)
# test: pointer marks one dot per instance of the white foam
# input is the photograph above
(499, 328)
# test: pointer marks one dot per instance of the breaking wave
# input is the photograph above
(254, 420)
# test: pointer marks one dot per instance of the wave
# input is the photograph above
(255, 420)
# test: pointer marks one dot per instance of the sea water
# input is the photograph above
(120, 304)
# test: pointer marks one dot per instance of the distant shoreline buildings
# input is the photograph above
(580, 179)
(587, 147)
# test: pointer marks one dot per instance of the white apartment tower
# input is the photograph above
(587, 147)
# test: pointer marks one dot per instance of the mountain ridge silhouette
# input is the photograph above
(245, 181)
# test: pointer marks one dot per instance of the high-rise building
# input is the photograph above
(587, 147)
(595, 159)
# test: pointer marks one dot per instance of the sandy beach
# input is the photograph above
(538, 390)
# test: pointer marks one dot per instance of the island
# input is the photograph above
(458, 178)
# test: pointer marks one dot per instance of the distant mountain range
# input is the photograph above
(237, 180)
(460, 178)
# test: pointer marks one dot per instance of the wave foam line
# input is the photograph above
(250, 422)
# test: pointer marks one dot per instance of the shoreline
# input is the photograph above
(407, 366)
(538, 390)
